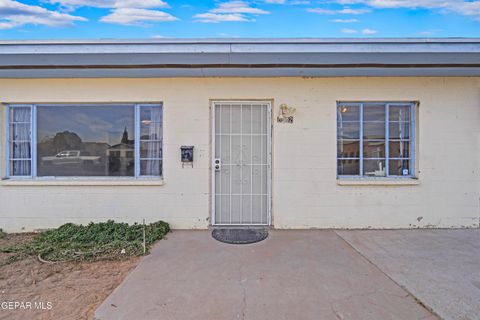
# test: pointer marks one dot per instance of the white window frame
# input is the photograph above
(33, 152)
(412, 164)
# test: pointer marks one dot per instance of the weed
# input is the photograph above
(95, 241)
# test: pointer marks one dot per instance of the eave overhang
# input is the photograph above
(240, 58)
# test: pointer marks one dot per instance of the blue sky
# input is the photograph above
(92, 19)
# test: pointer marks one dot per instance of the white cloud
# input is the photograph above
(353, 11)
(136, 16)
(239, 11)
(369, 31)
(140, 4)
(15, 14)
(463, 7)
(299, 2)
(209, 17)
(72, 4)
(366, 32)
(341, 11)
(321, 11)
(237, 7)
(344, 20)
(289, 2)
(126, 12)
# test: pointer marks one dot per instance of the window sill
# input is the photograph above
(378, 181)
(82, 182)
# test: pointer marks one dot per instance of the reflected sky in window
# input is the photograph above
(95, 123)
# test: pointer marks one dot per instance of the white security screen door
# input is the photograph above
(241, 163)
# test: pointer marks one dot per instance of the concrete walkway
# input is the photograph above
(291, 275)
(441, 268)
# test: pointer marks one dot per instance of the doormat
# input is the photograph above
(240, 236)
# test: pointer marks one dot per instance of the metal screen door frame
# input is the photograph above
(268, 122)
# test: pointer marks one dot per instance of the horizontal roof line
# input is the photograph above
(232, 66)
(245, 41)
(239, 57)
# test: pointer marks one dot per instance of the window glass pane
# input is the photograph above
(372, 142)
(348, 167)
(151, 141)
(348, 149)
(20, 114)
(374, 168)
(399, 149)
(20, 150)
(20, 132)
(374, 112)
(94, 140)
(348, 113)
(374, 130)
(151, 167)
(150, 130)
(348, 130)
(399, 130)
(20, 135)
(150, 149)
(150, 114)
(399, 113)
(399, 167)
(374, 149)
(20, 168)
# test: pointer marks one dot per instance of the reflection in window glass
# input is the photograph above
(348, 149)
(374, 149)
(375, 168)
(374, 130)
(95, 140)
(374, 139)
(399, 167)
(85, 140)
(348, 167)
(348, 113)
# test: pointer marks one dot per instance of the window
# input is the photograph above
(94, 140)
(375, 139)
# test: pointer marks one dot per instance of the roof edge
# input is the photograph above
(460, 40)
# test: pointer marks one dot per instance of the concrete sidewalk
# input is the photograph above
(441, 268)
(291, 275)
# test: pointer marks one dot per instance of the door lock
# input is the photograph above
(217, 164)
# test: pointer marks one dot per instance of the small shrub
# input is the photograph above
(95, 241)
(3, 234)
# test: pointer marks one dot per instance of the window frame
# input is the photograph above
(33, 151)
(412, 140)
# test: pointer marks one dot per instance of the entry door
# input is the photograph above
(241, 163)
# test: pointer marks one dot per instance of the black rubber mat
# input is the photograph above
(240, 235)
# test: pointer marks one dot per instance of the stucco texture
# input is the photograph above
(305, 190)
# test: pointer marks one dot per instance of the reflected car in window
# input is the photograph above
(71, 157)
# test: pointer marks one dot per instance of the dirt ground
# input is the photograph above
(56, 291)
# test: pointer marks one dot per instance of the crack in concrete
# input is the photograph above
(428, 308)
(337, 314)
(244, 291)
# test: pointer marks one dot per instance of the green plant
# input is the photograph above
(95, 241)
(3, 234)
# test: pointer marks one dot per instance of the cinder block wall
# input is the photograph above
(306, 193)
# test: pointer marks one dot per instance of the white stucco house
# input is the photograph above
(289, 133)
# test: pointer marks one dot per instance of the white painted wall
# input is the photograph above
(305, 190)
